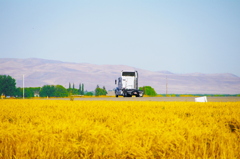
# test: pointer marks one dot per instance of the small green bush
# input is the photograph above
(148, 90)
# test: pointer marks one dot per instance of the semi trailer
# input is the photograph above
(127, 85)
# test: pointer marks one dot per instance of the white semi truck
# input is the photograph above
(128, 85)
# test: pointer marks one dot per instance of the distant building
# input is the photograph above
(36, 94)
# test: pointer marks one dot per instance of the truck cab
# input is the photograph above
(127, 85)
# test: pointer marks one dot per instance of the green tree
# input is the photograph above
(82, 89)
(28, 92)
(19, 92)
(104, 90)
(69, 88)
(7, 85)
(60, 91)
(47, 90)
(75, 91)
(89, 94)
(100, 91)
(148, 90)
(97, 91)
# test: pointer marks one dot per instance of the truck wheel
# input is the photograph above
(116, 96)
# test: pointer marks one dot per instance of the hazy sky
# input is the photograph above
(184, 36)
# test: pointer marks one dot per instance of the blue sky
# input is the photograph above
(178, 36)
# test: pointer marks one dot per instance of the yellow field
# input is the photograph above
(118, 129)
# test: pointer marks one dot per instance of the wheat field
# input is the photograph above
(118, 129)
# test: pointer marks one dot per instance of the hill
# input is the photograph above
(38, 72)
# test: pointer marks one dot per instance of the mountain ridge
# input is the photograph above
(39, 72)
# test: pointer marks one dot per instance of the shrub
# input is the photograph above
(148, 90)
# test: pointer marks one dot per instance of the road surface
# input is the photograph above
(162, 99)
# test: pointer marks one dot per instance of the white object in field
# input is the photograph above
(201, 99)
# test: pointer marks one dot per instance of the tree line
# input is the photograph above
(8, 88)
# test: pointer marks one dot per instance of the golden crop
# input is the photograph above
(118, 129)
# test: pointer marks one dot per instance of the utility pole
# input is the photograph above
(23, 86)
(166, 86)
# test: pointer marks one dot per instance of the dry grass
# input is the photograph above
(118, 129)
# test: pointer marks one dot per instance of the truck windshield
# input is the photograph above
(128, 74)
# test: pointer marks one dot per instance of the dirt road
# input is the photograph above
(163, 99)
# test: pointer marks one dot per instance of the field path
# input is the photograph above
(166, 99)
